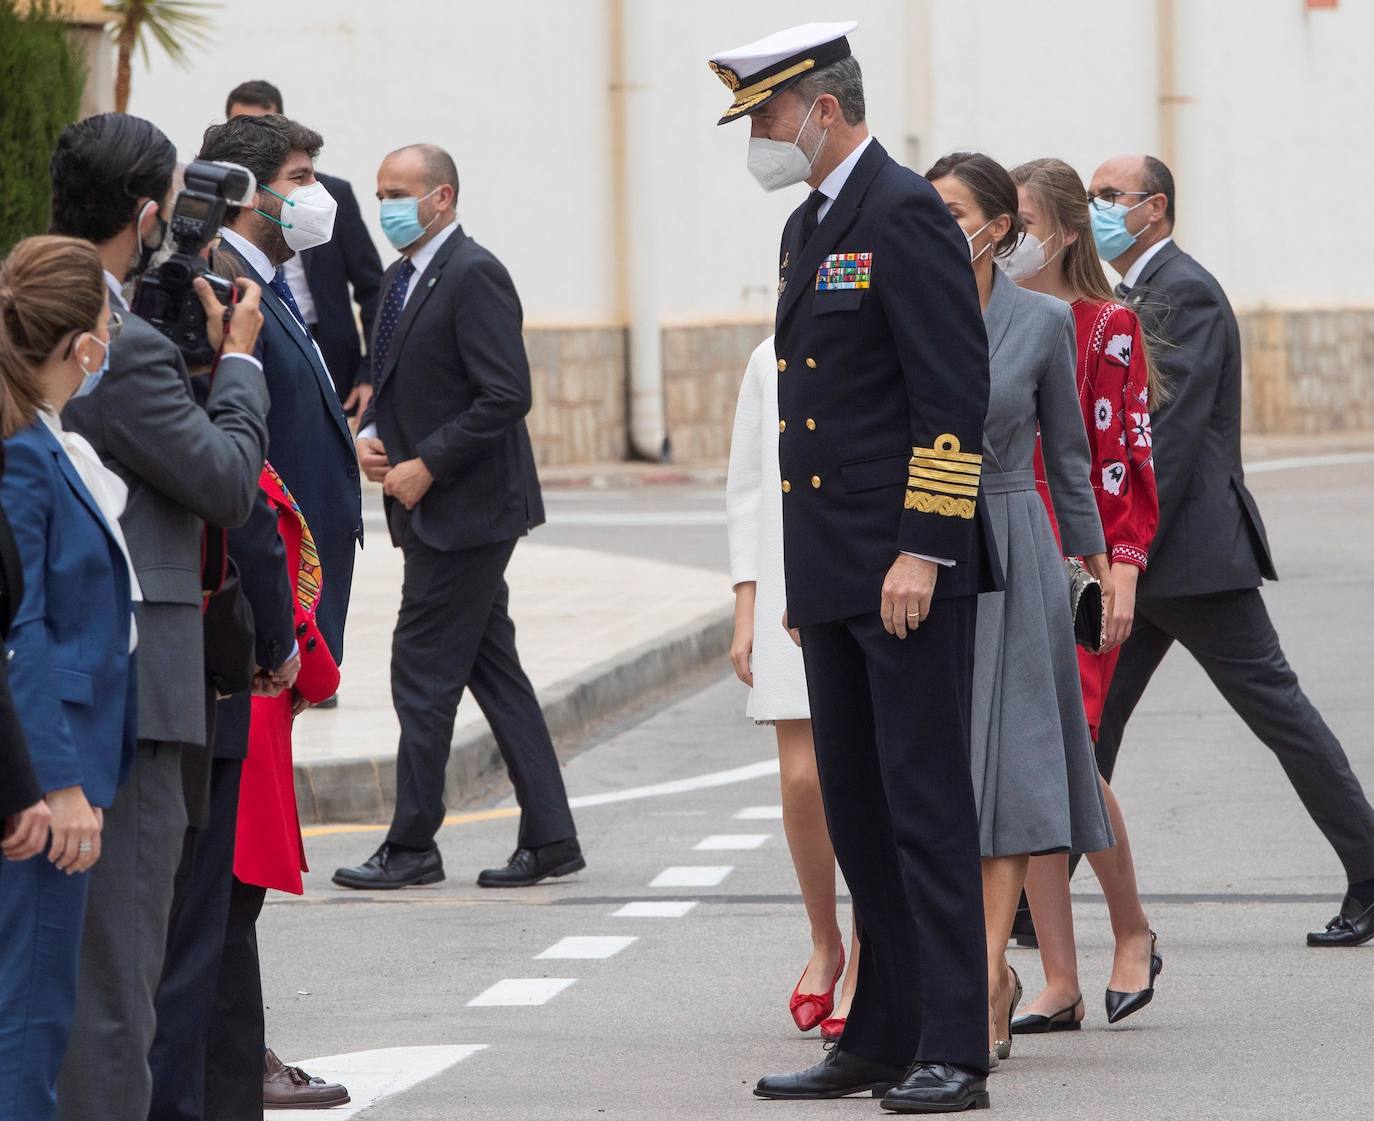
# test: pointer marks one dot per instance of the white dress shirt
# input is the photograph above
(1132, 276)
(294, 271)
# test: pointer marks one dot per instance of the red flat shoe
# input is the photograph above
(832, 1029)
(809, 1009)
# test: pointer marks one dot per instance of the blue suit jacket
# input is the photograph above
(310, 445)
(71, 674)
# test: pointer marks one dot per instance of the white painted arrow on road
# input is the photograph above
(373, 1075)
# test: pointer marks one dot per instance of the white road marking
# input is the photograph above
(733, 842)
(521, 992)
(655, 909)
(1336, 459)
(708, 875)
(373, 1075)
(586, 948)
(679, 786)
(760, 813)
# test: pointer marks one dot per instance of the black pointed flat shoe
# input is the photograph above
(1120, 1005)
(1352, 927)
(1035, 1024)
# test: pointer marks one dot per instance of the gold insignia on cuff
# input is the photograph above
(924, 502)
(943, 470)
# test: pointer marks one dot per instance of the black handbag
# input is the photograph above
(1085, 605)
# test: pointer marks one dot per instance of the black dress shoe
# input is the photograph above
(391, 867)
(1032, 1023)
(1120, 1005)
(938, 1088)
(837, 1075)
(526, 867)
(1352, 927)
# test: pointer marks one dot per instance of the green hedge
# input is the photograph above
(41, 79)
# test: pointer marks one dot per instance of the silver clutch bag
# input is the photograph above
(1085, 603)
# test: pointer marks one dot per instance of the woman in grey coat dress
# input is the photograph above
(1034, 774)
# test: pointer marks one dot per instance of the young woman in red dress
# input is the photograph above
(1116, 384)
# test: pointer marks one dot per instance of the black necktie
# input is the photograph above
(392, 307)
(811, 215)
(1122, 292)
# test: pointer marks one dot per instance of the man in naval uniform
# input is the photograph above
(882, 393)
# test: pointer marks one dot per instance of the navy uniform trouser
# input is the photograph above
(891, 723)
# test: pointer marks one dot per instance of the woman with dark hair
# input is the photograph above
(1117, 384)
(1034, 776)
(70, 647)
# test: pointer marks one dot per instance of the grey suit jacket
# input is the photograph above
(184, 465)
(1210, 536)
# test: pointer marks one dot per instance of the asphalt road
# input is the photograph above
(679, 1022)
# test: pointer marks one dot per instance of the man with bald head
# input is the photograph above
(1210, 554)
(445, 435)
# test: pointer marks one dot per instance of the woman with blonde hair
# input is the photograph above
(1117, 384)
(70, 647)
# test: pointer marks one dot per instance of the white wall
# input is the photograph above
(1272, 146)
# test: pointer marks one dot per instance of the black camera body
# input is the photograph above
(164, 295)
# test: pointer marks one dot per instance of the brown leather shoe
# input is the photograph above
(285, 1087)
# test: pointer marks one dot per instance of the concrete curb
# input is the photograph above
(364, 789)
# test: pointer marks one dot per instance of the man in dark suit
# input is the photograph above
(882, 389)
(185, 465)
(320, 278)
(310, 443)
(1210, 552)
(445, 434)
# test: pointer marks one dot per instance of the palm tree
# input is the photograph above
(176, 25)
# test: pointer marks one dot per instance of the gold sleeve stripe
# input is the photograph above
(930, 481)
(943, 504)
(947, 447)
(969, 470)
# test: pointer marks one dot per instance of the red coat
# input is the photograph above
(269, 851)
(1113, 390)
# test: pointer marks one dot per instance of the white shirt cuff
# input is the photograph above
(253, 358)
(370, 432)
(941, 561)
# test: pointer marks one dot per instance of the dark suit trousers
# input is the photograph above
(1231, 636)
(891, 723)
(195, 944)
(454, 631)
(237, 1040)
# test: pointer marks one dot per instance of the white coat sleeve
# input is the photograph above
(744, 480)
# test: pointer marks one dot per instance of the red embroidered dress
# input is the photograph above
(1113, 390)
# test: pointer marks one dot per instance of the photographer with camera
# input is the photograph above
(185, 466)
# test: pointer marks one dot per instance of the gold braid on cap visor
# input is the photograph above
(752, 96)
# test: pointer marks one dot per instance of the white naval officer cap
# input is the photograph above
(758, 71)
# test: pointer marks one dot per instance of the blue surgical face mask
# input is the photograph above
(401, 220)
(92, 378)
(1109, 230)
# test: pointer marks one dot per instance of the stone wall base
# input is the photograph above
(1306, 371)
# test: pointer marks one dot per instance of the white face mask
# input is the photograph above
(972, 256)
(782, 163)
(307, 215)
(1027, 259)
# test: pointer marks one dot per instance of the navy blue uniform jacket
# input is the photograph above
(882, 394)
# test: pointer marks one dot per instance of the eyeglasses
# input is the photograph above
(1105, 200)
(114, 325)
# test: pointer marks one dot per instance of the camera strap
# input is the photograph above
(214, 540)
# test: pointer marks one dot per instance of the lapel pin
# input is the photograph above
(432, 281)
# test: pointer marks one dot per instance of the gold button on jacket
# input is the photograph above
(811, 362)
(816, 481)
(811, 424)
(782, 426)
(786, 487)
(782, 364)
